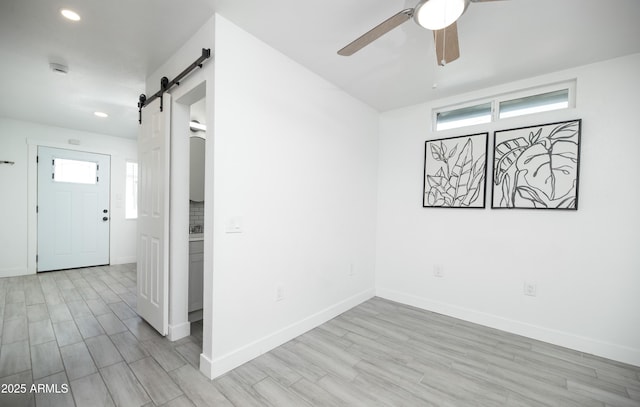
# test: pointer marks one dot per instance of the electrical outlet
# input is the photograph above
(438, 271)
(530, 289)
(279, 292)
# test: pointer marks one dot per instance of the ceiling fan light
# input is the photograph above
(438, 14)
(70, 14)
(196, 126)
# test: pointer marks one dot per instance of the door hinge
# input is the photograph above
(37, 207)
(36, 258)
(37, 159)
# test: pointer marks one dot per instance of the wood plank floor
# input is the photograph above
(79, 328)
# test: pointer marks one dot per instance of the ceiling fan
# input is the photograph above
(440, 16)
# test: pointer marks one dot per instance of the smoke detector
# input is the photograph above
(59, 68)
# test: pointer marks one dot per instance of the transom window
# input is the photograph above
(542, 102)
(543, 99)
(465, 116)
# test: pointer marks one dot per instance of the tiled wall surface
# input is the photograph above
(196, 213)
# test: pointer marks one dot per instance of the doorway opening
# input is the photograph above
(197, 147)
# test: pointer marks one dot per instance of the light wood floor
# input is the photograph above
(79, 328)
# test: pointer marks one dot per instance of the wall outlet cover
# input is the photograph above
(279, 292)
(530, 289)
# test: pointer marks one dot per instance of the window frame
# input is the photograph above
(126, 189)
(496, 100)
(61, 173)
(464, 106)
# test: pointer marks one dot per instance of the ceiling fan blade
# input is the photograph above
(376, 32)
(446, 40)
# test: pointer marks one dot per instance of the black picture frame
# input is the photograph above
(537, 167)
(455, 172)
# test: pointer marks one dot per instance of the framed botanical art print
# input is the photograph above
(455, 172)
(537, 167)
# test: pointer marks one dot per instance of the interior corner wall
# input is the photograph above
(295, 170)
(586, 263)
(15, 138)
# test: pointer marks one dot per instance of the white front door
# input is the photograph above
(153, 215)
(73, 209)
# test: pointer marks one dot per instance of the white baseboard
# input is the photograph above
(220, 365)
(14, 272)
(206, 366)
(123, 260)
(179, 331)
(591, 346)
(196, 315)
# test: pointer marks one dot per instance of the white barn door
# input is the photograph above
(153, 214)
(73, 209)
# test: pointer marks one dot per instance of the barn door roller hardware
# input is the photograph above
(166, 84)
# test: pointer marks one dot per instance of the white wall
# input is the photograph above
(294, 163)
(586, 264)
(17, 183)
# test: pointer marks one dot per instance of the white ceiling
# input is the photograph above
(118, 42)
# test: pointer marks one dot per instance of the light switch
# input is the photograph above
(234, 225)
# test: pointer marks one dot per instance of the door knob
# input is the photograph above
(105, 219)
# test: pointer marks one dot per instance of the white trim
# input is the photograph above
(14, 272)
(182, 98)
(32, 194)
(206, 366)
(124, 260)
(213, 368)
(128, 161)
(32, 202)
(65, 146)
(561, 338)
(179, 331)
(539, 90)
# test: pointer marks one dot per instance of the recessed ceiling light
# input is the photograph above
(101, 114)
(70, 14)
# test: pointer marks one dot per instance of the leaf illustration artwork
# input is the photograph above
(455, 179)
(438, 194)
(539, 170)
(476, 186)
